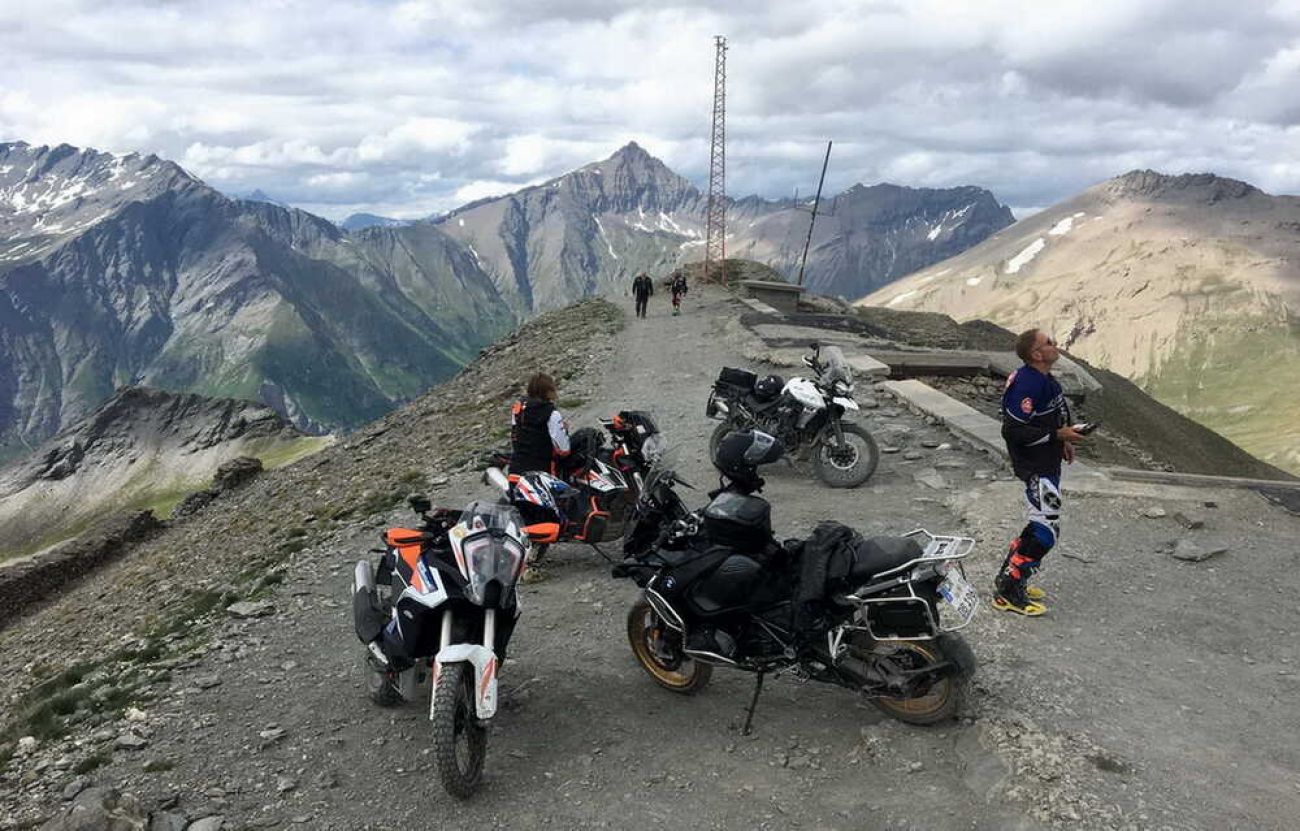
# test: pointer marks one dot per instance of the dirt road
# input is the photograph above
(1158, 694)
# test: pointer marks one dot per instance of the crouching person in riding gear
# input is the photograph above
(1036, 428)
(539, 437)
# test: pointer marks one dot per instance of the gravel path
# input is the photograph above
(1158, 693)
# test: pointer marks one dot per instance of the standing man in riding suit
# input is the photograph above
(642, 288)
(539, 439)
(1036, 427)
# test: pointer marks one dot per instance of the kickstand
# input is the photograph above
(753, 702)
(602, 553)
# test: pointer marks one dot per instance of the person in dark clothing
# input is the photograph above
(678, 288)
(642, 288)
(539, 438)
(1036, 427)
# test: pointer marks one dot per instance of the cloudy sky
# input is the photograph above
(415, 107)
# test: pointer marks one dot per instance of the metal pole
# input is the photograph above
(816, 201)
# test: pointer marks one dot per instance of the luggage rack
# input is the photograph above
(934, 547)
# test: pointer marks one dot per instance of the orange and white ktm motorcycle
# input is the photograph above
(441, 601)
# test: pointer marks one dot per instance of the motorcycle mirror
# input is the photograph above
(420, 503)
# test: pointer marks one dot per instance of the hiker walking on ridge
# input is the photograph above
(642, 288)
(678, 288)
(1036, 427)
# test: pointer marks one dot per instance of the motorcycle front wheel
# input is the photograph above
(943, 699)
(658, 650)
(850, 464)
(459, 740)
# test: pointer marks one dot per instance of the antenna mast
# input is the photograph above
(715, 236)
(816, 201)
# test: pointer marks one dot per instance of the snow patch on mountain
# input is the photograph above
(1064, 226)
(1024, 257)
(600, 226)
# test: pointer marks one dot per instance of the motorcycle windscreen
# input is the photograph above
(645, 518)
(492, 541)
(834, 367)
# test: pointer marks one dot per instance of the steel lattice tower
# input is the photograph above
(715, 236)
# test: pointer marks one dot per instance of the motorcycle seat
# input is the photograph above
(876, 554)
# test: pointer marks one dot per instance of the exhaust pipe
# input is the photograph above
(495, 477)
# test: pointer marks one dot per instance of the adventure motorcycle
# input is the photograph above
(442, 599)
(591, 506)
(804, 414)
(637, 445)
(875, 615)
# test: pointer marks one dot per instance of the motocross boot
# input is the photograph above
(1011, 596)
(1031, 592)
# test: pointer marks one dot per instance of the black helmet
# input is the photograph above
(769, 387)
(740, 454)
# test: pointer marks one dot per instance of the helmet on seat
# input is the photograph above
(768, 387)
(739, 455)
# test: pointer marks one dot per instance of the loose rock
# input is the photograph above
(248, 609)
(1189, 551)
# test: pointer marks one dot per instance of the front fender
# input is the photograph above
(846, 403)
(485, 675)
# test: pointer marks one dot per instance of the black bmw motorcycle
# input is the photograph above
(876, 616)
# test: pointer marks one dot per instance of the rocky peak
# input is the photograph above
(1187, 187)
(631, 180)
(48, 194)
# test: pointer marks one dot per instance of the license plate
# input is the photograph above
(958, 593)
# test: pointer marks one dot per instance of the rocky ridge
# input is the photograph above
(141, 448)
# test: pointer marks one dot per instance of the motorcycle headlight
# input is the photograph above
(842, 388)
(491, 558)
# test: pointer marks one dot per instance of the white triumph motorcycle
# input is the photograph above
(805, 414)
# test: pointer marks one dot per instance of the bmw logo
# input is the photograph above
(670, 583)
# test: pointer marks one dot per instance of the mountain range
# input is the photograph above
(1187, 285)
(119, 270)
(605, 222)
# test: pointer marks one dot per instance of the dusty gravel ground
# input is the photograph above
(1157, 694)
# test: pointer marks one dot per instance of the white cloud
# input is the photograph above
(416, 106)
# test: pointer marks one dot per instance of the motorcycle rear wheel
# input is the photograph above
(459, 740)
(658, 650)
(851, 465)
(944, 698)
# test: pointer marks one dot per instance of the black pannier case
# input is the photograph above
(740, 522)
(740, 378)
